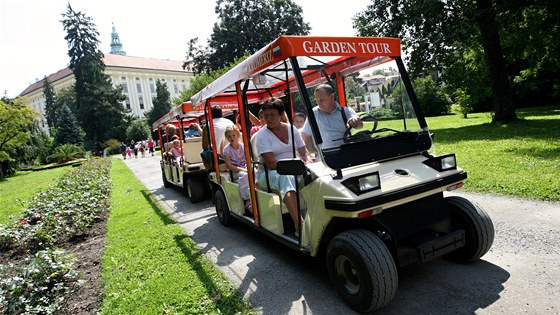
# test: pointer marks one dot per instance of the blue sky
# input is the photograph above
(32, 41)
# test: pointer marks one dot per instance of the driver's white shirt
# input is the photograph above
(331, 125)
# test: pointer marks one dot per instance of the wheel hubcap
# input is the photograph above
(347, 274)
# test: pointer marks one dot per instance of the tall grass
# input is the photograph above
(150, 266)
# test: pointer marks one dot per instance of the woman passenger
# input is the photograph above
(274, 142)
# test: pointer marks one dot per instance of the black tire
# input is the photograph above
(479, 230)
(362, 270)
(166, 183)
(195, 189)
(207, 186)
(222, 208)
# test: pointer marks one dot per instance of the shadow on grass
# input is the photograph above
(226, 302)
(163, 215)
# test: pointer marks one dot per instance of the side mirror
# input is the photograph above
(291, 167)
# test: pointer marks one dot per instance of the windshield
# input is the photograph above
(373, 99)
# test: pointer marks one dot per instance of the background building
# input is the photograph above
(136, 75)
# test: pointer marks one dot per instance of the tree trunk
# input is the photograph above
(501, 90)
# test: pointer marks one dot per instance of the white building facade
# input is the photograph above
(136, 75)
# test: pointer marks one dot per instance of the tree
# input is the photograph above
(98, 105)
(434, 31)
(354, 90)
(161, 103)
(137, 131)
(16, 121)
(67, 96)
(201, 80)
(431, 96)
(245, 26)
(67, 129)
(50, 103)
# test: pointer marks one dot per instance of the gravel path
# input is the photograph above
(519, 275)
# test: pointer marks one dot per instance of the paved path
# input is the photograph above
(520, 274)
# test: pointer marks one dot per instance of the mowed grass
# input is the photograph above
(16, 190)
(521, 158)
(150, 266)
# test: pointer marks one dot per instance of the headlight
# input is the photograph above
(442, 163)
(363, 184)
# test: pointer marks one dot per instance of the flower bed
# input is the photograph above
(37, 277)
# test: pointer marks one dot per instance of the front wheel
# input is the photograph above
(479, 230)
(222, 208)
(362, 270)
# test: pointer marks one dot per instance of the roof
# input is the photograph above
(112, 60)
(52, 78)
(358, 49)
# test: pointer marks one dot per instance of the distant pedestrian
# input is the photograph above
(123, 150)
(151, 146)
(134, 148)
(142, 149)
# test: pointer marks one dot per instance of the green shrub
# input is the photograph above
(67, 152)
(113, 146)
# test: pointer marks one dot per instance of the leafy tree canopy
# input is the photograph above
(245, 26)
(16, 121)
(475, 45)
(201, 80)
(138, 130)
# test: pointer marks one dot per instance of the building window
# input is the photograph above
(175, 88)
(152, 86)
(141, 102)
(127, 103)
(125, 88)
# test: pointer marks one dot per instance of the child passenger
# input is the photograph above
(299, 121)
(234, 155)
(176, 150)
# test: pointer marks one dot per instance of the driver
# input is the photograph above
(330, 118)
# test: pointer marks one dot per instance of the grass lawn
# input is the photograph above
(150, 266)
(521, 158)
(17, 189)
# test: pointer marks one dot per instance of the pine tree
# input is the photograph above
(50, 103)
(161, 103)
(67, 130)
(98, 104)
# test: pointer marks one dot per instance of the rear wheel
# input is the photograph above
(195, 189)
(166, 183)
(362, 269)
(222, 208)
(479, 230)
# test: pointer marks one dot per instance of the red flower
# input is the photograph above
(23, 221)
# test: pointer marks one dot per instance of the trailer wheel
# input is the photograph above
(166, 183)
(362, 270)
(479, 230)
(222, 209)
(195, 189)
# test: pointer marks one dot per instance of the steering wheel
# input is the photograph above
(360, 135)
